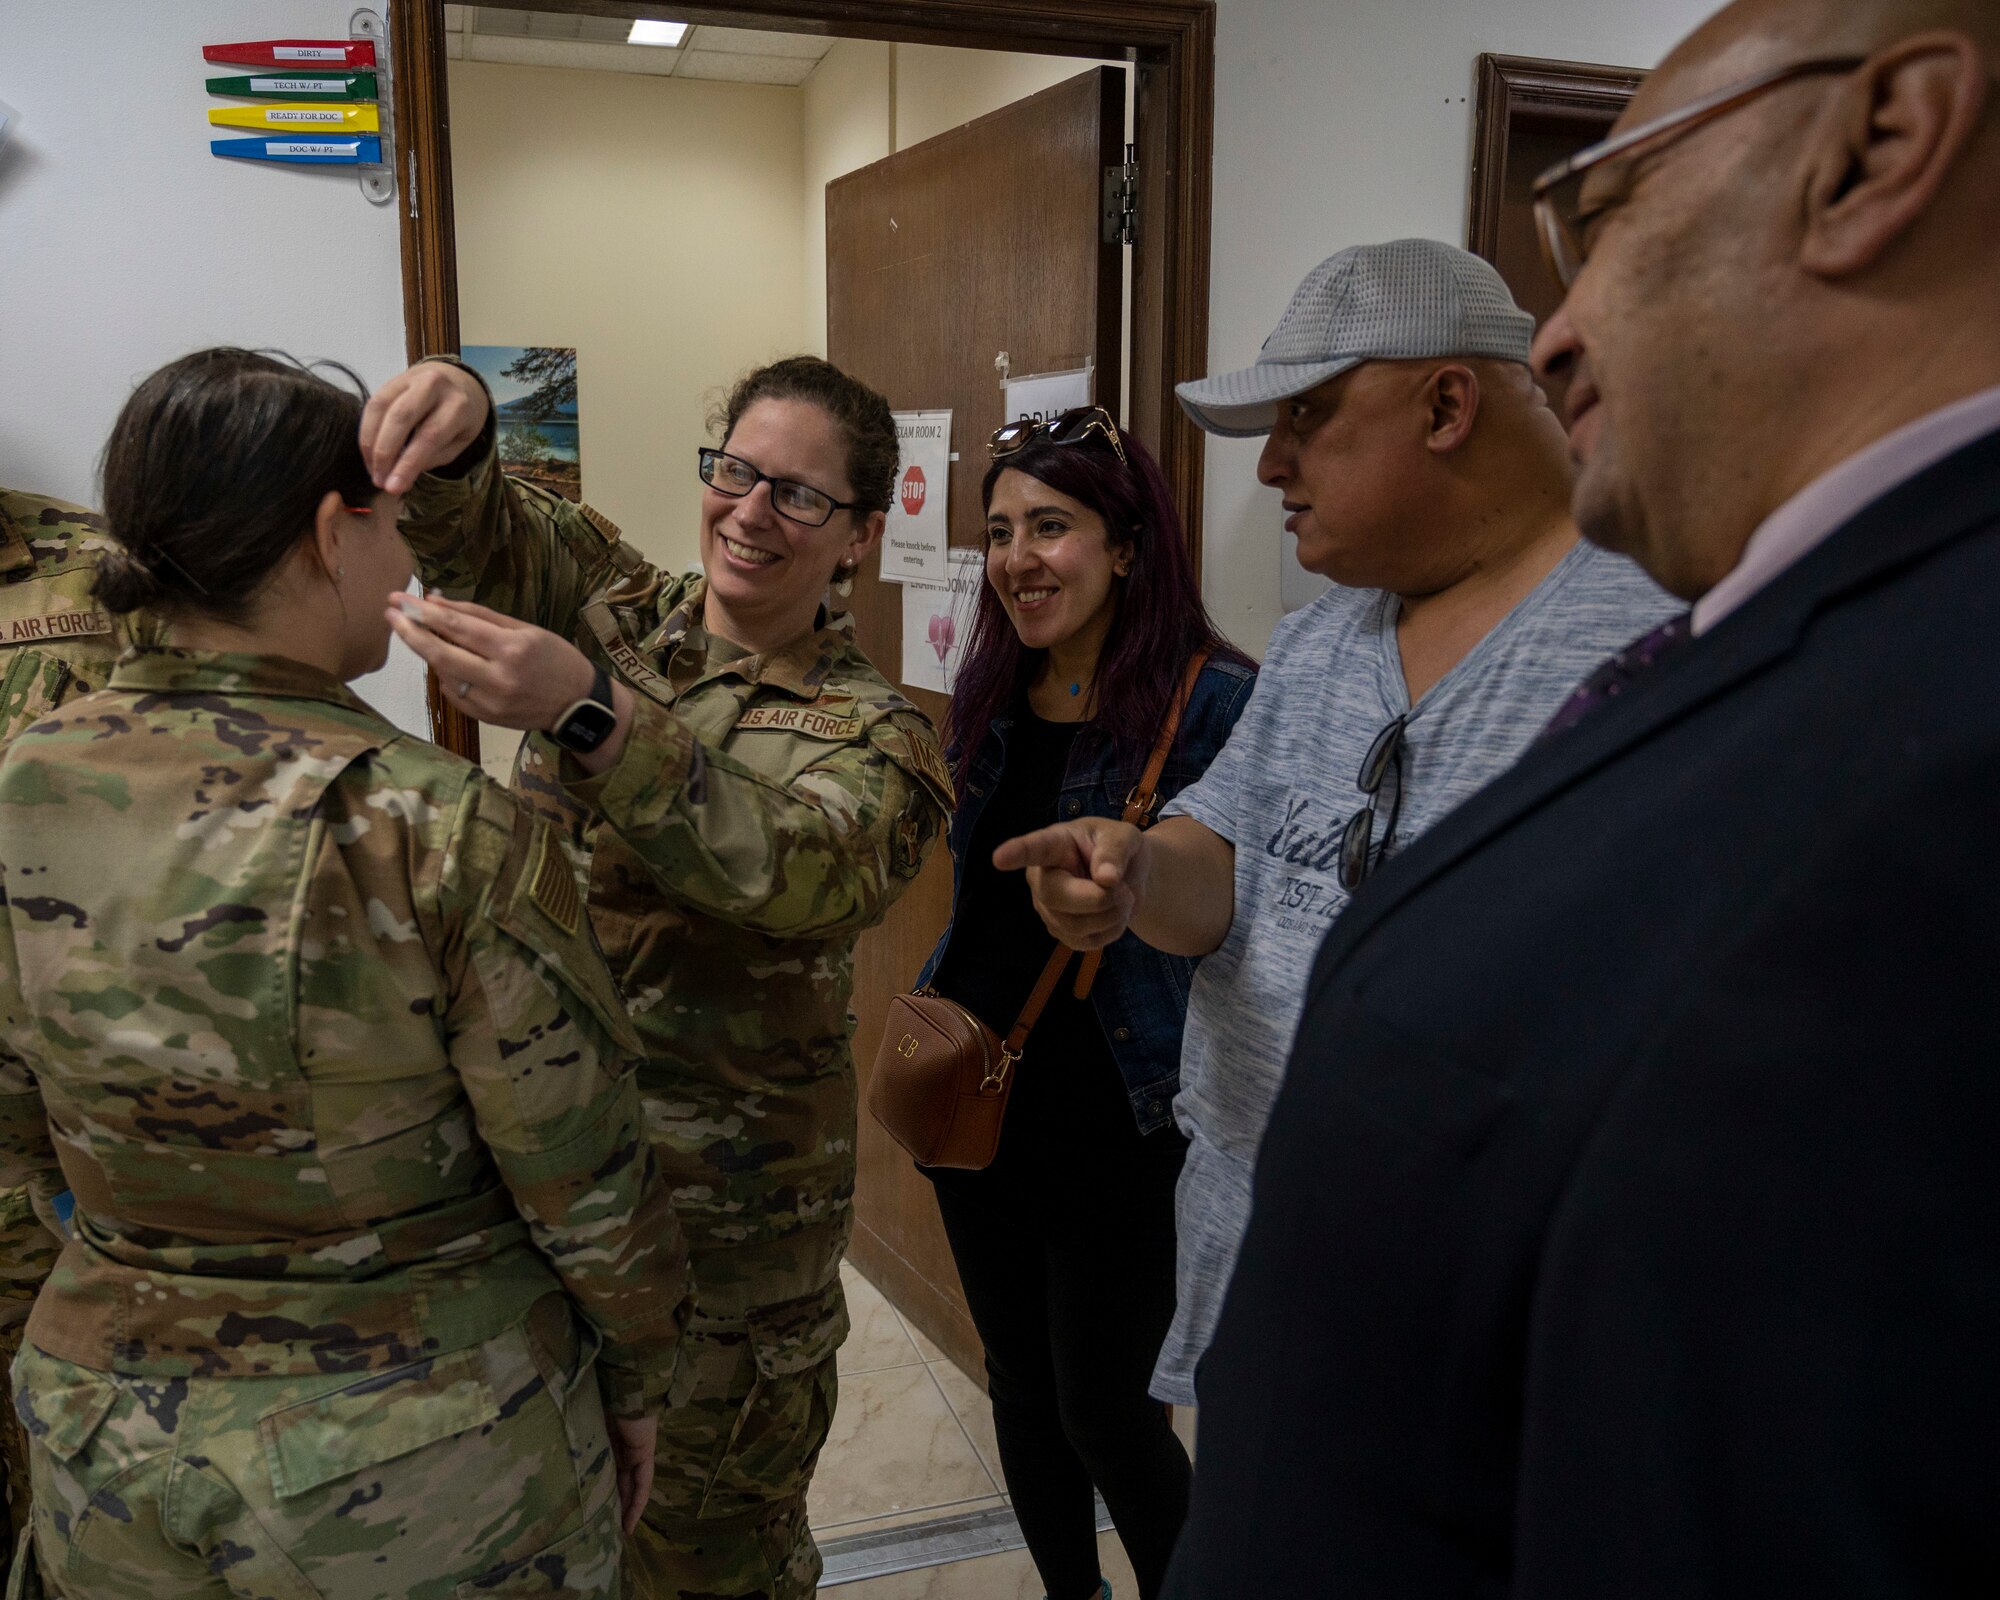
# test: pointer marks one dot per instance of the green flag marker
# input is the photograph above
(297, 85)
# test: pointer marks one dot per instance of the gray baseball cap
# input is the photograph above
(1376, 302)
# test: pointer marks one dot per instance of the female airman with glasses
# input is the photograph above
(745, 794)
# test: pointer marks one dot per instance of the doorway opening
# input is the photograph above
(614, 231)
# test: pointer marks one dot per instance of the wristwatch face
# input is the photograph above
(585, 726)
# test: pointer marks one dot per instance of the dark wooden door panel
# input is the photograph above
(984, 239)
(1531, 115)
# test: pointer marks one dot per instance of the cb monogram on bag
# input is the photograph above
(941, 1088)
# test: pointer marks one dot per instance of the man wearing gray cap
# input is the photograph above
(1424, 473)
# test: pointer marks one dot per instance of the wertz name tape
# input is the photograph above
(812, 722)
(638, 671)
(56, 625)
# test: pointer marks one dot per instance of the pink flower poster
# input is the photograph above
(936, 620)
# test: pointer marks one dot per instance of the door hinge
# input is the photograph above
(1121, 200)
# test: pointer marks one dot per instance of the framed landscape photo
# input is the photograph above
(534, 406)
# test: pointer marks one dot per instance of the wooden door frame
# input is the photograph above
(1171, 43)
(1516, 88)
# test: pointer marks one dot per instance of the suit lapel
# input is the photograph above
(1939, 506)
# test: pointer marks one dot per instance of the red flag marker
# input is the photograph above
(294, 53)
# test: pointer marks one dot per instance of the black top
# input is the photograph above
(1628, 1223)
(1069, 1101)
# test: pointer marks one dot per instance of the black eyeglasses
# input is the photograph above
(1385, 754)
(797, 502)
(1072, 427)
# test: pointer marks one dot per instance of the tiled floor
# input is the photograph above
(912, 1435)
(913, 1440)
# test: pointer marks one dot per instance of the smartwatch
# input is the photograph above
(588, 723)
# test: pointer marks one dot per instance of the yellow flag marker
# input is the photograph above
(343, 119)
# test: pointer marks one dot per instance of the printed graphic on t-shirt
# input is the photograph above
(1306, 894)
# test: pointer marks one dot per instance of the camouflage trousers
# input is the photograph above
(485, 1472)
(751, 1405)
(13, 1443)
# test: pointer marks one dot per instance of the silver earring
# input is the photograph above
(844, 584)
(340, 572)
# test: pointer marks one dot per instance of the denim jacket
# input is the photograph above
(1141, 994)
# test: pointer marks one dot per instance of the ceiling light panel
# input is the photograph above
(647, 31)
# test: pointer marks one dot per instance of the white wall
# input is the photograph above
(938, 88)
(655, 224)
(1342, 122)
(849, 122)
(124, 243)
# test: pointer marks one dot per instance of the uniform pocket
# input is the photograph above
(31, 688)
(381, 1417)
(583, 1565)
(800, 1334)
(785, 1418)
(60, 1404)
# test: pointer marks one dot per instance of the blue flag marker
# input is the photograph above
(345, 151)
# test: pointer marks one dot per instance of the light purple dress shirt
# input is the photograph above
(1806, 520)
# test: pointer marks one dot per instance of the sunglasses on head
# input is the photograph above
(1072, 427)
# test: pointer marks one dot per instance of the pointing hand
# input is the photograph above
(1087, 877)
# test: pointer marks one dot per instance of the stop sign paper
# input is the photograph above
(913, 544)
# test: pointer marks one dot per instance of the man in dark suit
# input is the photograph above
(1628, 1227)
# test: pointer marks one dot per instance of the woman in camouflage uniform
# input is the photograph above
(56, 642)
(755, 794)
(367, 1238)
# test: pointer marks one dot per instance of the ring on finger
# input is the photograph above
(465, 688)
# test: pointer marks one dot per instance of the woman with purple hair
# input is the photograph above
(1087, 621)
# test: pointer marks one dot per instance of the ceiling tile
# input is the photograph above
(729, 67)
(553, 24)
(646, 60)
(607, 30)
(756, 42)
(499, 20)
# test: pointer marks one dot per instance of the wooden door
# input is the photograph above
(1532, 114)
(988, 238)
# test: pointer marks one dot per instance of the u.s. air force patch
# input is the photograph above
(838, 721)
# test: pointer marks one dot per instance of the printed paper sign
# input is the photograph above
(1046, 394)
(913, 545)
(937, 619)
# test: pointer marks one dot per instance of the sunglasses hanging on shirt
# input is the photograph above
(1384, 756)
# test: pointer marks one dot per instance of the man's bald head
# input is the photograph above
(1769, 291)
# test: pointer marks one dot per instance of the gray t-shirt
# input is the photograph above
(1282, 790)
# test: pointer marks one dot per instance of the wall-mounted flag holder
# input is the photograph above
(360, 150)
(329, 118)
(298, 86)
(356, 118)
(353, 52)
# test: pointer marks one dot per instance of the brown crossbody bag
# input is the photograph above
(942, 1077)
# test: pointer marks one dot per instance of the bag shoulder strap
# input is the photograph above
(1031, 1013)
(1139, 804)
(1138, 813)
(1145, 798)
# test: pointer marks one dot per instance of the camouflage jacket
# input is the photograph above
(55, 643)
(308, 1014)
(765, 809)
